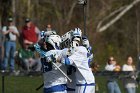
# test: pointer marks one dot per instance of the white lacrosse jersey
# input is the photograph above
(85, 81)
(52, 76)
(80, 60)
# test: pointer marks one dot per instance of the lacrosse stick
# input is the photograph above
(62, 72)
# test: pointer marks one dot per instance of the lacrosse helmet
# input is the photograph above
(53, 41)
(76, 37)
(76, 33)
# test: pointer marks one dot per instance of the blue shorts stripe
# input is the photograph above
(56, 88)
(92, 84)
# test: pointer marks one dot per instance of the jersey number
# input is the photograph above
(46, 66)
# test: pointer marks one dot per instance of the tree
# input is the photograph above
(126, 9)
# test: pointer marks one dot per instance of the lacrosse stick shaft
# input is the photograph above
(62, 72)
(39, 87)
(84, 16)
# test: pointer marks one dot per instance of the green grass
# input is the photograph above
(29, 84)
(21, 84)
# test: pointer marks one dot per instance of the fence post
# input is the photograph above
(3, 83)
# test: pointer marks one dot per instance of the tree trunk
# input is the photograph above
(0, 23)
(14, 10)
(29, 8)
(138, 29)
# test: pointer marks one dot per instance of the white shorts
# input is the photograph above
(84, 88)
(61, 92)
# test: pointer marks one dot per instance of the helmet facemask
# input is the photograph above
(75, 42)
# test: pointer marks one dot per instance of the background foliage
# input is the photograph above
(120, 40)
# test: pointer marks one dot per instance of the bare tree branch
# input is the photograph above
(109, 16)
(103, 28)
(70, 12)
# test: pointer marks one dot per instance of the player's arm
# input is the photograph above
(68, 60)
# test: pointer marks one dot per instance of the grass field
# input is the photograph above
(21, 84)
(29, 84)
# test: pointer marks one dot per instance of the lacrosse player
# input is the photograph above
(65, 45)
(85, 82)
(54, 80)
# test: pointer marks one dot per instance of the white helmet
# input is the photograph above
(76, 33)
(54, 41)
(76, 37)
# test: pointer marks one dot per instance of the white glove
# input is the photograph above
(48, 59)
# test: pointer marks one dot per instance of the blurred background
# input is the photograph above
(120, 39)
(112, 26)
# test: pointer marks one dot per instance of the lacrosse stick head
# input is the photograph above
(71, 38)
(82, 2)
(66, 40)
